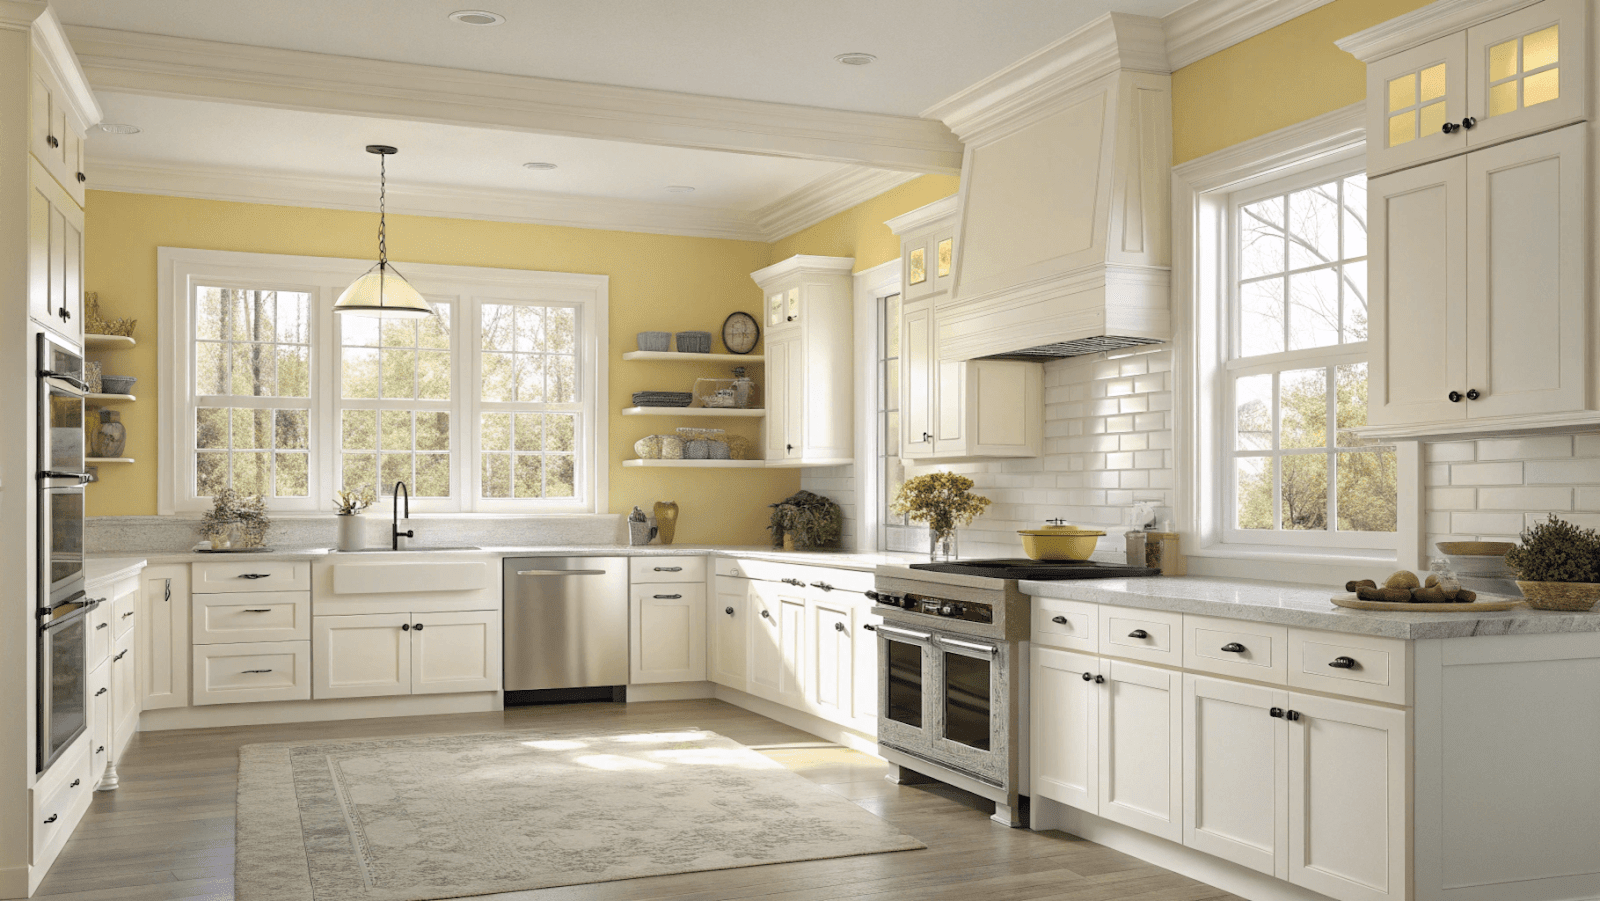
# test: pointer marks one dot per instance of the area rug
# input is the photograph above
(452, 816)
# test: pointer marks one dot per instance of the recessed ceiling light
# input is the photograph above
(112, 128)
(541, 167)
(477, 17)
(855, 59)
(680, 189)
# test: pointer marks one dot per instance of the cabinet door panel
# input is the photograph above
(766, 662)
(791, 614)
(794, 409)
(729, 636)
(361, 656)
(1065, 726)
(1348, 794)
(866, 669)
(1411, 95)
(669, 633)
(72, 279)
(917, 375)
(1417, 294)
(831, 657)
(1236, 773)
(164, 636)
(1528, 71)
(124, 665)
(1526, 288)
(1141, 764)
(39, 253)
(454, 652)
(58, 266)
(778, 399)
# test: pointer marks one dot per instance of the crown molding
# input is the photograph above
(923, 216)
(1422, 25)
(1304, 143)
(1204, 27)
(1113, 42)
(802, 263)
(569, 211)
(50, 40)
(160, 65)
(827, 196)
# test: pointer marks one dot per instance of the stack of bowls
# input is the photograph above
(1481, 566)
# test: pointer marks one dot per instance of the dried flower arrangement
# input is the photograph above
(1557, 551)
(96, 324)
(349, 503)
(809, 520)
(236, 520)
(943, 500)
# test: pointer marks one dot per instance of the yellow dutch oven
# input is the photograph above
(1059, 542)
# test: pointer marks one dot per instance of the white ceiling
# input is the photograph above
(772, 50)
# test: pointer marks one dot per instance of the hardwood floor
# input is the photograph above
(167, 833)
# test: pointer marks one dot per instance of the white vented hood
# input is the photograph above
(1063, 237)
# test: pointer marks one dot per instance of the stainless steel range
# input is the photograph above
(953, 671)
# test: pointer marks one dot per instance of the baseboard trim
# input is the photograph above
(1049, 815)
(14, 883)
(276, 712)
(671, 691)
(799, 719)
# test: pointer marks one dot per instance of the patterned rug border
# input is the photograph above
(272, 844)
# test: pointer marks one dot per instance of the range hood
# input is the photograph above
(1064, 224)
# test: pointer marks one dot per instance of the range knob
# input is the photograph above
(950, 610)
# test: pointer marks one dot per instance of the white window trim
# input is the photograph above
(870, 288)
(324, 278)
(1200, 192)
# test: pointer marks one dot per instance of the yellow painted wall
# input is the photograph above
(1275, 79)
(657, 282)
(859, 231)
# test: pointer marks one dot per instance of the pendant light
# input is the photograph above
(382, 290)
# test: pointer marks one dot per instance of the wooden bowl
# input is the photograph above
(1476, 548)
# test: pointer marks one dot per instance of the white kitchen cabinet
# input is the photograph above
(252, 672)
(832, 660)
(361, 656)
(866, 669)
(1065, 739)
(778, 646)
(1140, 748)
(1348, 798)
(163, 603)
(1236, 772)
(728, 634)
(55, 256)
(766, 663)
(1435, 89)
(99, 721)
(953, 409)
(668, 625)
(1478, 290)
(124, 665)
(56, 126)
(810, 361)
(455, 652)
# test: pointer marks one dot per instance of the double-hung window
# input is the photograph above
(1295, 371)
(492, 404)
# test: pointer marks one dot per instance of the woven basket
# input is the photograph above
(1573, 597)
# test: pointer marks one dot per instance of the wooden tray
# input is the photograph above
(1355, 603)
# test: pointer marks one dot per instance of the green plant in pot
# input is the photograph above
(1558, 566)
(805, 520)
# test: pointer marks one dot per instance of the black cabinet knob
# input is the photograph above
(1293, 716)
(728, 610)
(418, 627)
(1059, 620)
(1472, 394)
(789, 448)
(405, 627)
(1343, 663)
(838, 627)
(1455, 397)
(1139, 633)
(869, 627)
(766, 614)
(75, 783)
(53, 141)
(1088, 677)
(1451, 128)
(1468, 122)
(1099, 680)
(789, 319)
(1276, 713)
(1233, 647)
(82, 178)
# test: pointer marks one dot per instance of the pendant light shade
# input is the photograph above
(382, 291)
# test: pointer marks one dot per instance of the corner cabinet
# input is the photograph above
(953, 410)
(1478, 296)
(810, 361)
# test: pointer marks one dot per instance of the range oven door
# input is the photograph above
(61, 426)
(60, 545)
(945, 698)
(63, 676)
(905, 668)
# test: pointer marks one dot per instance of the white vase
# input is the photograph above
(352, 532)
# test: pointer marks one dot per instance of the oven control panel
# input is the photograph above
(928, 605)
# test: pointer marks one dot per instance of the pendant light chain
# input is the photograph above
(383, 188)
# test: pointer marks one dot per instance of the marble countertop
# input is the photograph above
(99, 565)
(1306, 606)
(100, 568)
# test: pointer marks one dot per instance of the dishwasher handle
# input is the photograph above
(561, 572)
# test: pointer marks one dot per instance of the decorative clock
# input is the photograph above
(740, 333)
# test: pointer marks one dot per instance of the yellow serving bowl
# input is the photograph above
(1059, 542)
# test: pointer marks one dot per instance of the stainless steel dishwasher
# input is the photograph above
(566, 625)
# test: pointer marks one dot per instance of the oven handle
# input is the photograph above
(72, 380)
(904, 633)
(72, 617)
(969, 645)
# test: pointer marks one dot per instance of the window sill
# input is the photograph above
(1320, 557)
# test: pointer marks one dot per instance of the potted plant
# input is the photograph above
(1558, 566)
(805, 520)
(236, 520)
(943, 500)
(348, 506)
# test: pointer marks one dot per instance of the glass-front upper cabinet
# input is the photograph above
(1431, 95)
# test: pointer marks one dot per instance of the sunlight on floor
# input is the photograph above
(715, 757)
(615, 762)
(662, 736)
(557, 745)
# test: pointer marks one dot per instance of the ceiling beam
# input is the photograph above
(163, 66)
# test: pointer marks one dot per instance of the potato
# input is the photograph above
(1363, 583)
(1427, 595)
(1450, 594)
(1466, 597)
(1405, 578)
(1433, 581)
(1386, 595)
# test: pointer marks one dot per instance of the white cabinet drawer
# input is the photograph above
(790, 573)
(1150, 635)
(251, 575)
(254, 671)
(100, 634)
(667, 569)
(1228, 647)
(60, 796)
(1069, 625)
(260, 616)
(1361, 666)
(122, 615)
